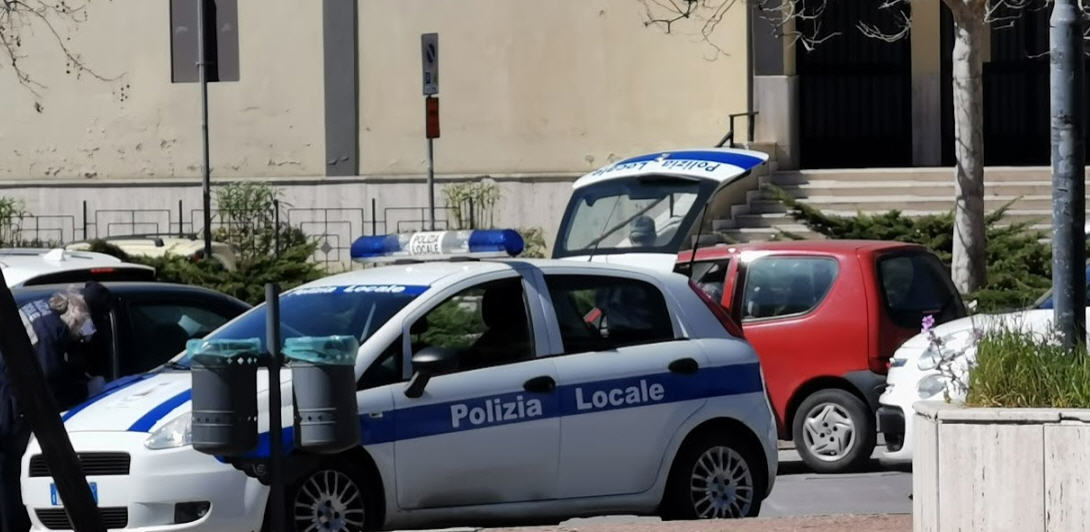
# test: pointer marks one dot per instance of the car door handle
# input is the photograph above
(542, 384)
(684, 365)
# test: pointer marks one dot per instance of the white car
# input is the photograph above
(579, 389)
(33, 266)
(161, 245)
(909, 380)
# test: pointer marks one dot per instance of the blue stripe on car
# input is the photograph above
(436, 419)
(145, 423)
(741, 160)
(110, 388)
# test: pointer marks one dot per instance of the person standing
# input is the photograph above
(53, 326)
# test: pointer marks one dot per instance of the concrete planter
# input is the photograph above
(1000, 469)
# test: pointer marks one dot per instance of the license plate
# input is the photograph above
(55, 498)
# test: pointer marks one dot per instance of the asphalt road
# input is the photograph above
(879, 489)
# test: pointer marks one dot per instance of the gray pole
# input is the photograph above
(1068, 174)
(206, 184)
(276, 441)
(431, 187)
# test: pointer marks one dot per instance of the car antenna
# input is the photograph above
(605, 227)
(696, 241)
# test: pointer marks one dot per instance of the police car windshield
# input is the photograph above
(641, 214)
(357, 310)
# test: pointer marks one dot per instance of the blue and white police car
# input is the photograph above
(572, 389)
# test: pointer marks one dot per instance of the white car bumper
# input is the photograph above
(146, 498)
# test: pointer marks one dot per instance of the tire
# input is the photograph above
(335, 496)
(834, 431)
(699, 488)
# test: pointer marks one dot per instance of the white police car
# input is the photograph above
(579, 389)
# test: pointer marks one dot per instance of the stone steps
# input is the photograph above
(913, 191)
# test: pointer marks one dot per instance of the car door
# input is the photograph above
(157, 326)
(779, 303)
(627, 382)
(487, 430)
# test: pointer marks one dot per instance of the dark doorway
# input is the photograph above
(855, 104)
(1016, 91)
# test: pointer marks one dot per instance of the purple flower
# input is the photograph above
(928, 323)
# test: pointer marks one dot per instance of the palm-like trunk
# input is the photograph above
(969, 262)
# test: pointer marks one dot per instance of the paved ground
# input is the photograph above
(834, 523)
(875, 500)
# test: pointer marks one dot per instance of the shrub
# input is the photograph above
(1015, 369)
(247, 210)
(472, 204)
(1019, 264)
(535, 242)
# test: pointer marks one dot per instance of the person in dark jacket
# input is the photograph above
(53, 325)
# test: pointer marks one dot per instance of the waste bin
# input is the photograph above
(224, 376)
(324, 390)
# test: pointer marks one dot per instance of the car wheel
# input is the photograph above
(834, 431)
(332, 497)
(714, 477)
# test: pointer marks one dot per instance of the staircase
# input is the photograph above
(913, 191)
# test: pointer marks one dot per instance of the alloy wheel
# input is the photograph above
(721, 484)
(329, 501)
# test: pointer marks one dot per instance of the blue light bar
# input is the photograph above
(438, 245)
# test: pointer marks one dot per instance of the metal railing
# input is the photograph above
(332, 229)
(751, 125)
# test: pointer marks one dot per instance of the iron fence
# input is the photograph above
(332, 229)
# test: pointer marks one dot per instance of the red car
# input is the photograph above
(825, 317)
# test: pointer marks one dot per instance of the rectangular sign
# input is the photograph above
(429, 53)
(431, 115)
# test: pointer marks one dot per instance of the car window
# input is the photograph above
(386, 369)
(914, 286)
(486, 325)
(349, 310)
(160, 331)
(710, 276)
(787, 286)
(598, 313)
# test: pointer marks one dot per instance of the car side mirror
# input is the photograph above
(427, 363)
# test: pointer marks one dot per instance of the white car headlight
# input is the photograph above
(177, 433)
(931, 385)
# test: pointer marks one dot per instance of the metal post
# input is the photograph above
(181, 221)
(1068, 174)
(276, 226)
(206, 183)
(472, 215)
(431, 187)
(374, 218)
(85, 219)
(276, 441)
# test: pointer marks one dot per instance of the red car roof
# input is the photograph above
(834, 247)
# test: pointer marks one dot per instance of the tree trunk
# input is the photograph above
(969, 262)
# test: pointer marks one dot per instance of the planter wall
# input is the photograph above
(996, 469)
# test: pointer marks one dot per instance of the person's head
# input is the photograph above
(642, 232)
(98, 299)
(72, 309)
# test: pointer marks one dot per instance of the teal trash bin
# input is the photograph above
(324, 391)
(224, 376)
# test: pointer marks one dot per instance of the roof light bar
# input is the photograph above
(438, 245)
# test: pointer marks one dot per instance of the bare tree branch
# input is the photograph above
(19, 16)
(902, 22)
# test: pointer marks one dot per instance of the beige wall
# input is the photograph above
(142, 125)
(528, 86)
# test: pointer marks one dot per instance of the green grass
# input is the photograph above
(1018, 370)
